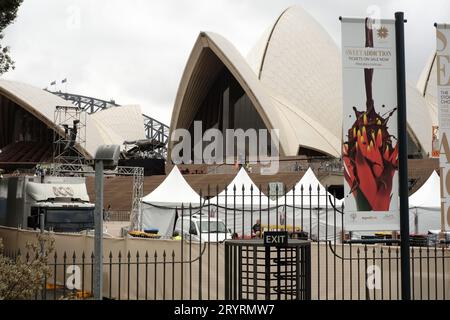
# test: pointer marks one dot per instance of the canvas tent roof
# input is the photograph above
(242, 179)
(174, 189)
(308, 180)
(428, 195)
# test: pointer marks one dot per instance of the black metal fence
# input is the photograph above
(194, 266)
(363, 272)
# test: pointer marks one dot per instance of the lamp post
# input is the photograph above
(106, 157)
(403, 157)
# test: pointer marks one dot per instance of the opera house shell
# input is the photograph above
(27, 123)
(290, 80)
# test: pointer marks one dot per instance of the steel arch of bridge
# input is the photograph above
(154, 129)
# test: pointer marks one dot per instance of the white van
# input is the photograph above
(204, 228)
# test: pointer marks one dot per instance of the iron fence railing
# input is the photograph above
(350, 272)
(193, 267)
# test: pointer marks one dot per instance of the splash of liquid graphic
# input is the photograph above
(369, 154)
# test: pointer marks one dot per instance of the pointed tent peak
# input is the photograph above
(310, 179)
(175, 171)
(309, 175)
(242, 179)
(432, 181)
(427, 196)
(434, 176)
(174, 189)
(310, 184)
(174, 176)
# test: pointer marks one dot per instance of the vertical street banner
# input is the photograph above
(369, 149)
(443, 102)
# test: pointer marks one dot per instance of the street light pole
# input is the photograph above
(98, 221)
(106, 157)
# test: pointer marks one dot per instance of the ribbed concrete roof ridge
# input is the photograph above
(302, 65)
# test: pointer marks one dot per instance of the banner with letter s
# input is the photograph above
(443, 102)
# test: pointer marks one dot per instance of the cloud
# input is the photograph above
(135, 51)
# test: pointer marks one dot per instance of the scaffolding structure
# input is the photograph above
(69, 134)
(138, 193)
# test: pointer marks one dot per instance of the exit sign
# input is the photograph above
(275, 238)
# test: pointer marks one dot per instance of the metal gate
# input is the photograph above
(254, 271)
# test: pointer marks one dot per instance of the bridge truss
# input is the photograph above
(156, 131)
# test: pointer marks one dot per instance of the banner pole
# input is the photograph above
(402, 157)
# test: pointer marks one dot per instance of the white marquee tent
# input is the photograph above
(318, 217)
(240, 204)
(160, 206)
(425, 206)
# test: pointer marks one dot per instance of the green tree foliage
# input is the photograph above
(8, 13)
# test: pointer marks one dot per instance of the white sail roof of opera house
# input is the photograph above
(293, 78)
(427, 86)
(110, 126)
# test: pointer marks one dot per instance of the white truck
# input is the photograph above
(63, 202)
(204, 228)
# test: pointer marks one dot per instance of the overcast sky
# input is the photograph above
(134, 51)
